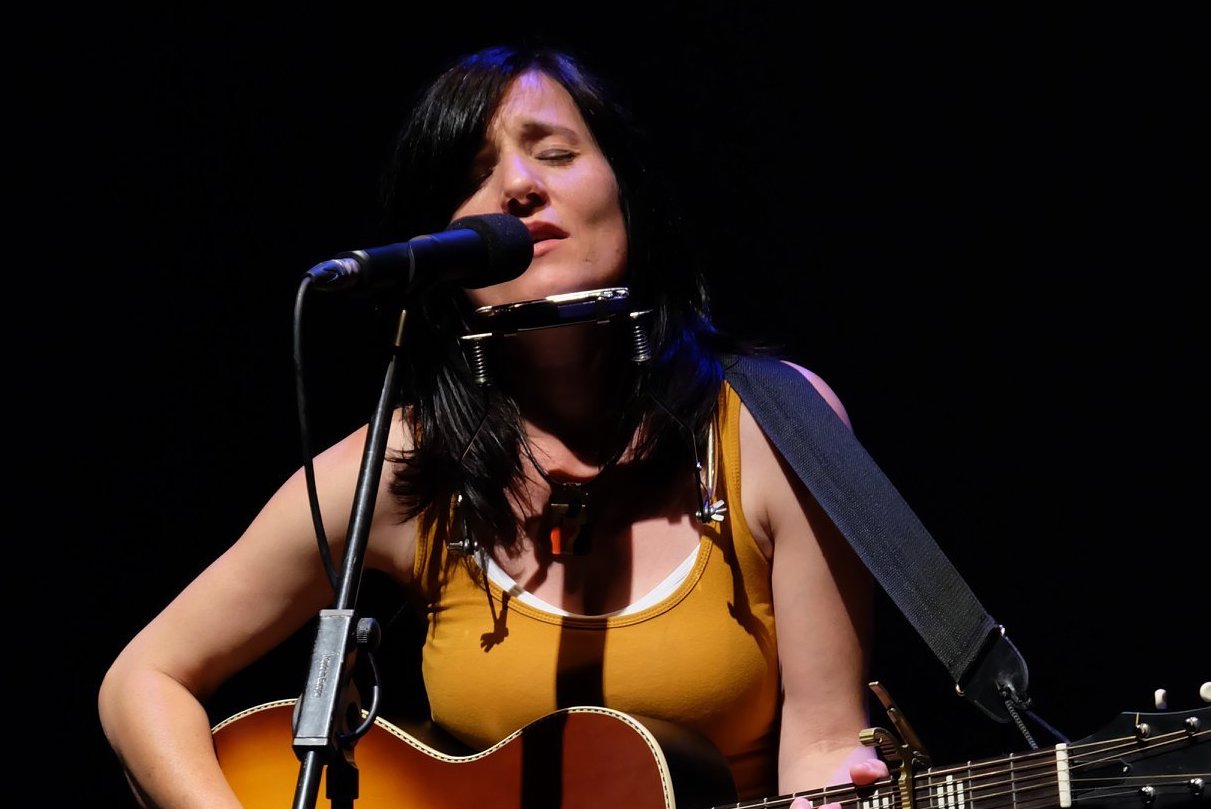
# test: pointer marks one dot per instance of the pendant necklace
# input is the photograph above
(567, 520)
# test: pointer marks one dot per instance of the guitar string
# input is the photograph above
(1106, 750)
(1106, 747)
(1040, 762)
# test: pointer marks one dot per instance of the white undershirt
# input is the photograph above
(506, 583)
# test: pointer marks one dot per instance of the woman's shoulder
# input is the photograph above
(826, 392)
(823, 388)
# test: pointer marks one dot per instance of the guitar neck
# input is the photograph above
(1024, 781)
(1112, 770)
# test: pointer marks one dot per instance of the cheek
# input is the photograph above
(614, 245)
(619, 241)
(608, 256)
(603, 204)
(604, 210)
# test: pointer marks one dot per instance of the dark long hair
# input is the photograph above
(467, 439)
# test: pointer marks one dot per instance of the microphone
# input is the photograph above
(475, 251)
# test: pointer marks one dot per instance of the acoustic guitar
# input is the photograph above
(597, 758)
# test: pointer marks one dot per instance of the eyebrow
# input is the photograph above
(535, 129)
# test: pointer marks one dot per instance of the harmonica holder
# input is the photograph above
(599, 306)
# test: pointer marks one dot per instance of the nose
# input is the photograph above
(523, 189)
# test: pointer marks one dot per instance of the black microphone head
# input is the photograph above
(509, 245)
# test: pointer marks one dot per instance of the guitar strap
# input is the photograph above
(890, 539)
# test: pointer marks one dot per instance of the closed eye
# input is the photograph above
(557, 155)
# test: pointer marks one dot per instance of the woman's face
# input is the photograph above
(540, 162)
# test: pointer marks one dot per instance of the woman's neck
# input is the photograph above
(569, 387)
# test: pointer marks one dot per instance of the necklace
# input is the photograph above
(567, 520)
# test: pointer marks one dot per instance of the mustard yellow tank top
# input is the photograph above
(704, 656)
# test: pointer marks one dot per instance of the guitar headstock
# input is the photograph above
(1147, 760)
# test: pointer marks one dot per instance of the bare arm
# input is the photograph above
(823, 602)
(253, 597)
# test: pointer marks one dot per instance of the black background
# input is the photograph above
(986, 228)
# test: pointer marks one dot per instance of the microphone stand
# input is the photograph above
(329, 705)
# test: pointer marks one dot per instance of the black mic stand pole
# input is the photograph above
(328, 705)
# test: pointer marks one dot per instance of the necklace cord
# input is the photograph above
(709, 509)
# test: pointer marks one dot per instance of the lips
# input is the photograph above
(545, 231)
(546, 236)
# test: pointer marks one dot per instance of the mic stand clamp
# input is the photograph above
(321, 714)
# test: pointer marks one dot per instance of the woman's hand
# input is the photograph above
(861, 773)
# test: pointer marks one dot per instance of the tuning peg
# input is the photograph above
(1160, 698)
(1204, 691)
